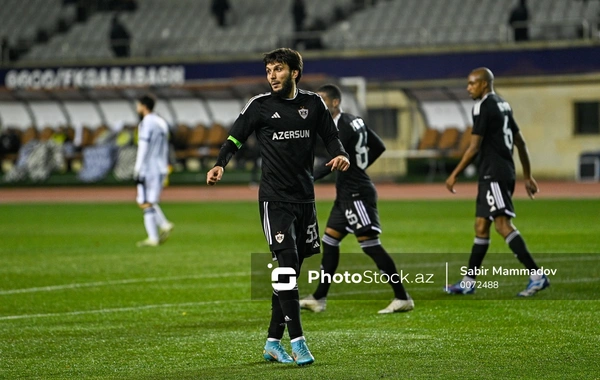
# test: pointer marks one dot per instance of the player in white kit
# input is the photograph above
(151, 168)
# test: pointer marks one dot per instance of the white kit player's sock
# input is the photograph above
(161, 219)
(150, 223)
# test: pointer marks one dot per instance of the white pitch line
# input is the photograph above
(118, 309)
(120, 282)
(216, 302)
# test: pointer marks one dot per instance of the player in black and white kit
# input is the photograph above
(494, 133)
(355, 208)
(286, 122)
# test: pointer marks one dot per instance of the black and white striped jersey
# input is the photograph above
(363, 146)
(286, 131)
(494, 122)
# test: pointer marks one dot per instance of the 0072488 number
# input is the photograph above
(479, 284)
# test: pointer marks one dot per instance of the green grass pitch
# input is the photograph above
(79, 300)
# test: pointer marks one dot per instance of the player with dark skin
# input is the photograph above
(495, 134)
(480, 82)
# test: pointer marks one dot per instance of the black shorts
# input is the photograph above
(359, 217)
(291, 226)
(495, 199)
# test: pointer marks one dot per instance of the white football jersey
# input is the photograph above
(152, 159)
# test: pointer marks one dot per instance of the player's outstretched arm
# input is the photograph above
(228, 149)
(214, 175)
(340, 163)
(466, 159)
(530, 184)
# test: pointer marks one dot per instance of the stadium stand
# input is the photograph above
(429, 22)
(186, 27)
(200, 117)
(25, 23)
(198, 126)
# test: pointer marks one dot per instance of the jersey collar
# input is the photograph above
(337, 118)
(486, 95)
(293, 97)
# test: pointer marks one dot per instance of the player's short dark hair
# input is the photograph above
(148, 101)
(332, 91)
(287, 56)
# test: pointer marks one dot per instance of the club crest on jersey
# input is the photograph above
(303, 112)
(279, 237)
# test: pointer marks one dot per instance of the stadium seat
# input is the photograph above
(180, 136)
(28, 135)
(463, 144)
(216, 135)
(196, 139)
(46, 134)
(448, 140)
(429, 140)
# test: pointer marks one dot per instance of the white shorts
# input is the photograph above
(149, 191)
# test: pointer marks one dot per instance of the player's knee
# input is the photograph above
(482, 228)
(337, 235)
(144, 206)
(362, 238)
(503, 226)
(288, 258)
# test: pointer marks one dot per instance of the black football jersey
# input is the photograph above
(363, 146)
(286, 131)
(493, 121)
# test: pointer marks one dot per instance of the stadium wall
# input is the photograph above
(544, 111)
(546, 116)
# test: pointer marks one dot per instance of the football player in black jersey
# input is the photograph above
(355, 208)
(494, 133)
(286, 122)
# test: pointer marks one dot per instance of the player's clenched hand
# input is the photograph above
(531, 187)
(450, 181)
(340, 163)
(214, 175)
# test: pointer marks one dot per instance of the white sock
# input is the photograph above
(297, 339)
(535, 277)
(468, 279)
(150, 223)
(273, 340)
(161, 220)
